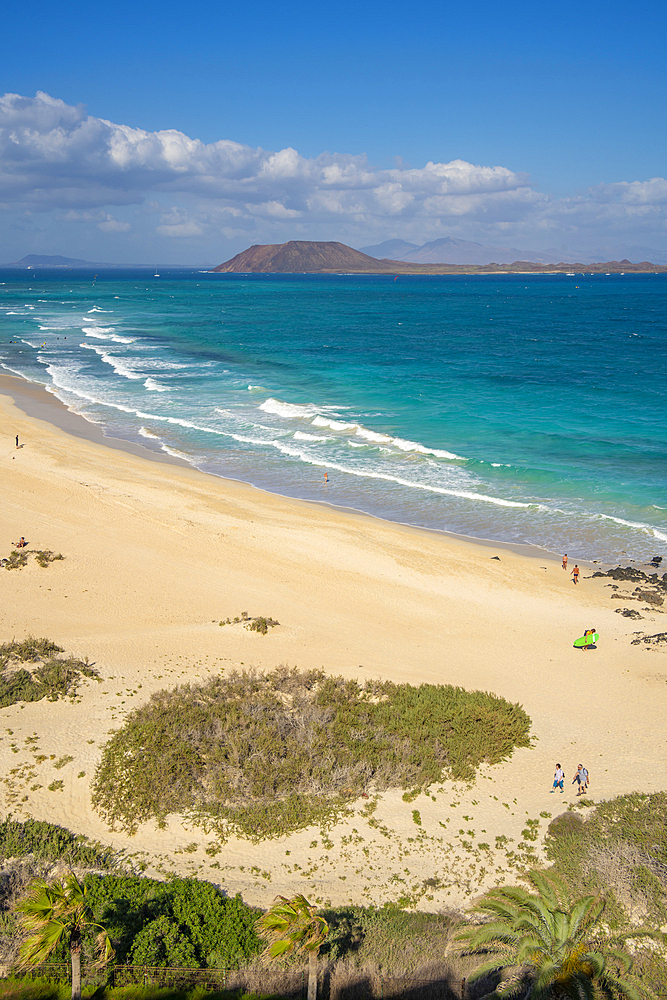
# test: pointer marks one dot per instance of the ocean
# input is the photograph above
(519, 408)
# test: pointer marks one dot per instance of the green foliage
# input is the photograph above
(261, 625)
(622, 847)
(395, 941)
(49, 676)
(209, 928)
(28, 649)
(553, 943)
(292, 925)
(271, 753)
(45, 556)
(50, 842)
(16, 560)
(56, 913)
(161, 943)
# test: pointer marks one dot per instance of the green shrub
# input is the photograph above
(622, 847)
(51, 677)
(50, 842)
(277, 752)
(46, 556)
(16, 560)
(179, 922)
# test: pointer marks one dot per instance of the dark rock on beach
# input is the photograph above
(651, 640)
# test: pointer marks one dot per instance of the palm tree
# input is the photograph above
(548, 939)
(59, 911)
(292, 925)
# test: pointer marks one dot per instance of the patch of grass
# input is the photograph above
(32, 669)
(56, 786)
(45, 556)
(51, 842)
(265, 754)
(259, 624)
(66, 759)
(621, 846)
(16, 559)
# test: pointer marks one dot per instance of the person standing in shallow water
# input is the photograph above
(565, 561)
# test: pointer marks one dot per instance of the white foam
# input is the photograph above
(148, 434)
(639, 525)
(96, 309)
(289, 410)
(154, 386)
(335, 425)
(105, 333)
(176, 453)
(301, 436)
(118, 365)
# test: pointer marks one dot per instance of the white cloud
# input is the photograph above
(56, 158)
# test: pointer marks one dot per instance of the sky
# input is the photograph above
(182, 133)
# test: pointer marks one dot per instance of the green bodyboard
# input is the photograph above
(586, 640)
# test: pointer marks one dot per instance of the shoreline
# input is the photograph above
(35, 400)
(156, 553)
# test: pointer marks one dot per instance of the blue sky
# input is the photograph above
(569, 102)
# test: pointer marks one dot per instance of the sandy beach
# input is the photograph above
(156, 554)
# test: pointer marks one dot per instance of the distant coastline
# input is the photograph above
(314, 257)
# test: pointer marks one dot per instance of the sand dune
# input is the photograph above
(156, 554)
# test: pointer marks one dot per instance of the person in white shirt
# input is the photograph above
(559, 778)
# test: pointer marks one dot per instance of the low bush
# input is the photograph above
(45, 556)
(46, 676)
(182, 922)
(270, 753)
(622, 847)
(51, 842)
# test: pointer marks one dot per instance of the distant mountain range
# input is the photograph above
(314, 257)
(450, 250)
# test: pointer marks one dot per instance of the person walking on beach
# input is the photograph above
(575, 574)
(565, 561)
(17, 440)
(559, 778)
(581, 777)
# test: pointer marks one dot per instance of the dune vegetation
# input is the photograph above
(33, 669)
(264, 754)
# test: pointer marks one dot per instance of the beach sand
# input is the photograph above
(156, 554)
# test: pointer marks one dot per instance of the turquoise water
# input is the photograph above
(518, 408)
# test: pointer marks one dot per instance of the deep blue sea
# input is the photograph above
(525, 408)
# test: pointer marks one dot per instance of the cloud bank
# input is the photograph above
(55, 158)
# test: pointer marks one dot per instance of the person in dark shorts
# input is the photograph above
(581, 778)
(575, 574)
